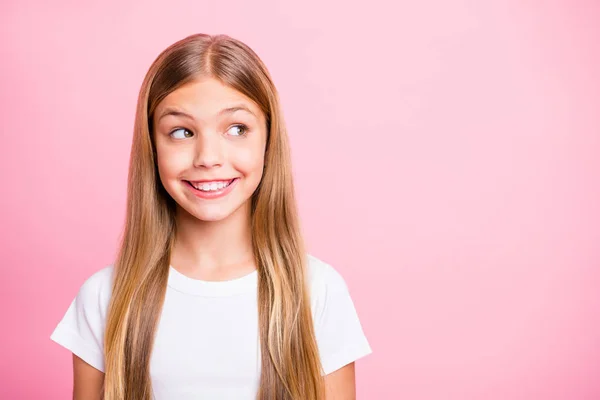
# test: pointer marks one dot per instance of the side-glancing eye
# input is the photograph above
(238, 130)
(180, 130)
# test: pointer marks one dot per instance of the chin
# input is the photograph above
(213, 212)
(203, 210)
(211, 216)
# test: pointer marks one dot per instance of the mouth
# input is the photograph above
(211, 189)
(211, 186)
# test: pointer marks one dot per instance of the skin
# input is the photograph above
(205, 130)
(87, 381)
(341, 384)
(204, 142)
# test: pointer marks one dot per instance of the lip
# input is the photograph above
(211, 195)
(211, 180)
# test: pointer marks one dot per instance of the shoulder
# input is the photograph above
(81, 328)
(325, 283)
(338, 330)
(94, 294)
(97, 286)
(100, 279)
(323, 276)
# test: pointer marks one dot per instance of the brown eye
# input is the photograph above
(180, 130)
(238, 130)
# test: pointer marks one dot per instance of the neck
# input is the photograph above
(213, 250)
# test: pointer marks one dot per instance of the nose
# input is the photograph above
(209, 150)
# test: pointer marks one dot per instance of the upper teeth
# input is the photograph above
(210, 186)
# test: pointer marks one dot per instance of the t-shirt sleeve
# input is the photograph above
(339, 333)
(81, 330)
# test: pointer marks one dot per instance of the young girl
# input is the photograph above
(212, 295)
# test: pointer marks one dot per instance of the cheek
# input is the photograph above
(170, 162)
(250, 160)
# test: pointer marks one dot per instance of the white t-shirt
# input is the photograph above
(207, 339)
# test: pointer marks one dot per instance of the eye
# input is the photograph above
(180, 130)
(238, 130)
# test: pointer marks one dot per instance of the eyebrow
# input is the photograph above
(179, 113)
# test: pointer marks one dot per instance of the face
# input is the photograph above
(210, 143)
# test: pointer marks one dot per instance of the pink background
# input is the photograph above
(446, 160)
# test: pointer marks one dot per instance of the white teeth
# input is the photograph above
(212, 186)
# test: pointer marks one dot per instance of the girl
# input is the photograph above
(212, 295)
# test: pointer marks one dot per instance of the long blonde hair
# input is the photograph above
(291, 367)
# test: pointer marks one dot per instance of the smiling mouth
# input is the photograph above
(212, 186)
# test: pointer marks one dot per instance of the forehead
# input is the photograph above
(205, 97)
